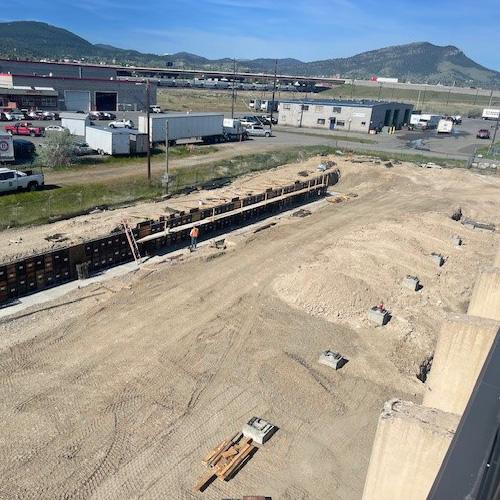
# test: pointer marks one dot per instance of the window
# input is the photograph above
(305, 107)
(321, 121)
(5, 176)
(337, 109)
(286, 106)
(318, 108)
(340, 123)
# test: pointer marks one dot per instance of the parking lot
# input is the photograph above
(461, 144)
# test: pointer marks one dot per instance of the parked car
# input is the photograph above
(15, 180)
(50, 115)
(121, 124)
(108, 115)
(258, 131)
(24, 128)
(83, 149)
(4, 117)
(249, 120)
(55, 128)
(35, 115)
(97, 115)
(483, 134)
(23, 149)
(155, 109)
(14, 114)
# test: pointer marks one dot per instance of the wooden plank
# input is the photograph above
(221, 471)
(240, 458)
(214, 452)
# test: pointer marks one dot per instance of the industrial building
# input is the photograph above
(355, 116)
(54, 86)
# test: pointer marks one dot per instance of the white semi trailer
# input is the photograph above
(207, 127)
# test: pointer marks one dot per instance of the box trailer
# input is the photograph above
(108, 141)
(6, 148)
(205, 126)
(76, 123)
(445, 127)
(491, 114)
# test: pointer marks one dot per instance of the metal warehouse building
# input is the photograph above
(356, 116)
(73, 87)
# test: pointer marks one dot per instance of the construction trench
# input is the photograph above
(38, 272)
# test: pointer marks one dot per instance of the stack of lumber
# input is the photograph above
(225, 460)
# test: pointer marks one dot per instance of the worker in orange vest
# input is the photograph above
(194, 233)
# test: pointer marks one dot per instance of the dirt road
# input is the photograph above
(119, 393)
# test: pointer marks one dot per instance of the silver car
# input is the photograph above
(258, 131)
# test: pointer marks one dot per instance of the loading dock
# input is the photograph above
(106, 101)
(77, 100)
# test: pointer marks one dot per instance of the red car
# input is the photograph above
(24, 128)
(483, 134)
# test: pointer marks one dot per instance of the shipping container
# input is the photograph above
(109, 141)
(206, 126)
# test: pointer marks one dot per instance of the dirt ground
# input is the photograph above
(118, 390)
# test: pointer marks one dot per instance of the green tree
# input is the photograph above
(58, 150)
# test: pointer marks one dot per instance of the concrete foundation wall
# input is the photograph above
(409, 447)
(463, 345)
(485, 301)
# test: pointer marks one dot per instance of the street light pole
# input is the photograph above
(167, 178)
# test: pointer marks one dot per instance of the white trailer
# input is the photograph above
(491, 114)
(445, 126)
(76, 123)
(6, 148)
(108, 141)
(205, 126)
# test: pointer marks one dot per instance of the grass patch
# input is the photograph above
(157, 155)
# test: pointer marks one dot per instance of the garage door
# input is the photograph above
(77, 100)
(106, 101)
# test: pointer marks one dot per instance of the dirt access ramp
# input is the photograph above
(121, 392)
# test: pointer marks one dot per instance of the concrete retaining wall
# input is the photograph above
(463, 345)
(409, 447)
(485, 301)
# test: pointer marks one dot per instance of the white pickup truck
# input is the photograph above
(15, 180)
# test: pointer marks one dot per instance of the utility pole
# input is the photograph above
(167, 178)
(491, 96)
(274, 92)
(493, 139)
(379, 90)
(148, 126)
(233, 96)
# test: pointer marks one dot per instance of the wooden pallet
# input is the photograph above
(225, 460)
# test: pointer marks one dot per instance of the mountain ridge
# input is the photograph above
(420, 62)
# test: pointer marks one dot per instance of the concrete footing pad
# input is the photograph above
(462, 347)
(409, 447)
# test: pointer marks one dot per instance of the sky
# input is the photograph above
(302, 29)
